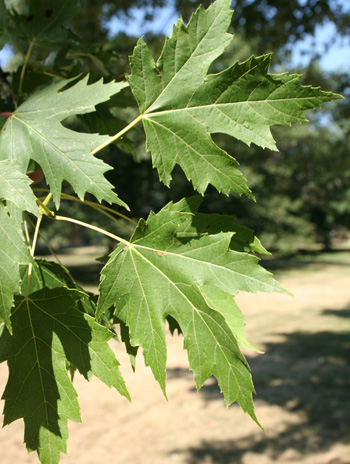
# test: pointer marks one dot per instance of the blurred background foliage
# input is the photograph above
(302, 191)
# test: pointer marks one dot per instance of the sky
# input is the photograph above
(337, 57)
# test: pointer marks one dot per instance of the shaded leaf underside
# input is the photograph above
(48, 331)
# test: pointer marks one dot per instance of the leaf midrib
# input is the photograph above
(188, 59)
(148, 115)
(158, 363)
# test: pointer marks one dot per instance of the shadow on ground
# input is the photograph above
(309, 375)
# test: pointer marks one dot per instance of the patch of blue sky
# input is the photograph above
(334, 51)
(5, 55)
(162, 22)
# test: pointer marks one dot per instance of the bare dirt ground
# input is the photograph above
(302, 383)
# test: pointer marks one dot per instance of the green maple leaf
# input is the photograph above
(48, 331)
(182, 105)
(34, 132)
(14, 187)
(159, 274)
(13, 252)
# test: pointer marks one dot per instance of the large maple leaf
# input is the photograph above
(34, 131)
(48, 331)
(182, 105)
(161, 273)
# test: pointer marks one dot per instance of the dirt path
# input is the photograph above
(302, 384)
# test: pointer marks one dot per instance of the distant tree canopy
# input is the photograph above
(276, 24)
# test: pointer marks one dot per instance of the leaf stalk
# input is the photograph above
(118, 135)
(90, 226)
